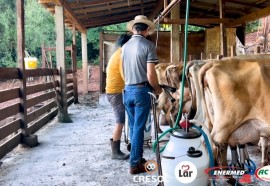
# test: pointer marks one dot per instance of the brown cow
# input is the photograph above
(166, 73)
(235, 92)
(237, 136)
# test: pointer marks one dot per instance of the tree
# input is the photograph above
(7, 34)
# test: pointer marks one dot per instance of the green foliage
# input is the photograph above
(192, 28)
(7, 34)
(252, 26)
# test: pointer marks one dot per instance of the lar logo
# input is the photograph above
(185, 172)
(151, 166)
(263, 173)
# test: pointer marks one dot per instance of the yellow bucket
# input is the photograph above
(30, 62)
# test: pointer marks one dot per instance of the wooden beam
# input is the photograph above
(60, 58)
(116, 11)
(104, 23)
(20, 53)
(31, 89)
(201, 21)
(43, 121)
(9, 73)
(156, 9)
(260, 2)
(9, 94)
(174, 36)
(113, 6)
(214, 6)
(41, 72)
(9, 128)
(102, 75)
(251, 17)
(38, 99)
(40, 111)
(243, 3)
(84, 63)
(142, 8)
(107, 22)
(223, 35)
(113, 18)
(91, 3)
(10, 145)
(69, 13)
(74, 65)
(9, 111)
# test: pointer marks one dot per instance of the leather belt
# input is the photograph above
(143, 84)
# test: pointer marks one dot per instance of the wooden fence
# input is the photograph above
(40, 105)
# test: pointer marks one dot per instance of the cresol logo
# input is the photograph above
(263, 173)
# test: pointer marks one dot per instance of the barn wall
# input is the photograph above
(212, 41)
(107, 47)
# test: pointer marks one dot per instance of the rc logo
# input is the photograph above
(263, 173)
(185, 172)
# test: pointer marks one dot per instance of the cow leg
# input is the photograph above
(264, 148)
(220, 155)
(158, 110)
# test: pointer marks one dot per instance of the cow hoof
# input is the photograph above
(264, 164)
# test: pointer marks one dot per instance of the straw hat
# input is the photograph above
(141, 19)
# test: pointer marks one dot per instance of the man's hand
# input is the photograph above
(152, 78)
(158, 90)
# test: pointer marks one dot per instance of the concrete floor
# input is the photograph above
(75, 153)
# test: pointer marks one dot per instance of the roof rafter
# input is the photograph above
(93, 2)
(251, 17)
(112, 6)
(119, 10)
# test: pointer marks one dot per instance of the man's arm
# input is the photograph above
(152, 78)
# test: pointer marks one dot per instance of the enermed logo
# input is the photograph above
(263, 173)
(185, 172)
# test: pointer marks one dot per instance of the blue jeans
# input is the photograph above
(137, 103)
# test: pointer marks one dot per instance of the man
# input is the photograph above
(114, 87)
(139, 60)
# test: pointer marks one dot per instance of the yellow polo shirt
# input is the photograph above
(114, 80)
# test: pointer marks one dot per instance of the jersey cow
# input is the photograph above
(235, 94)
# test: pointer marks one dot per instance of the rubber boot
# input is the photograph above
(116, 152)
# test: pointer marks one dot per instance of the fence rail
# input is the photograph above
(40, 105)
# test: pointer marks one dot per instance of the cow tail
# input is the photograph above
(204, 84)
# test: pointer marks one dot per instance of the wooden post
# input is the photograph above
(74, 66)
(223, 36)
(30, 140)
(233, 51)
(61, 65)
(257, 50)
(101, 61)
(84, 63)
(182, 36)
(175, 14)
(219, 57)
(202, 55)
